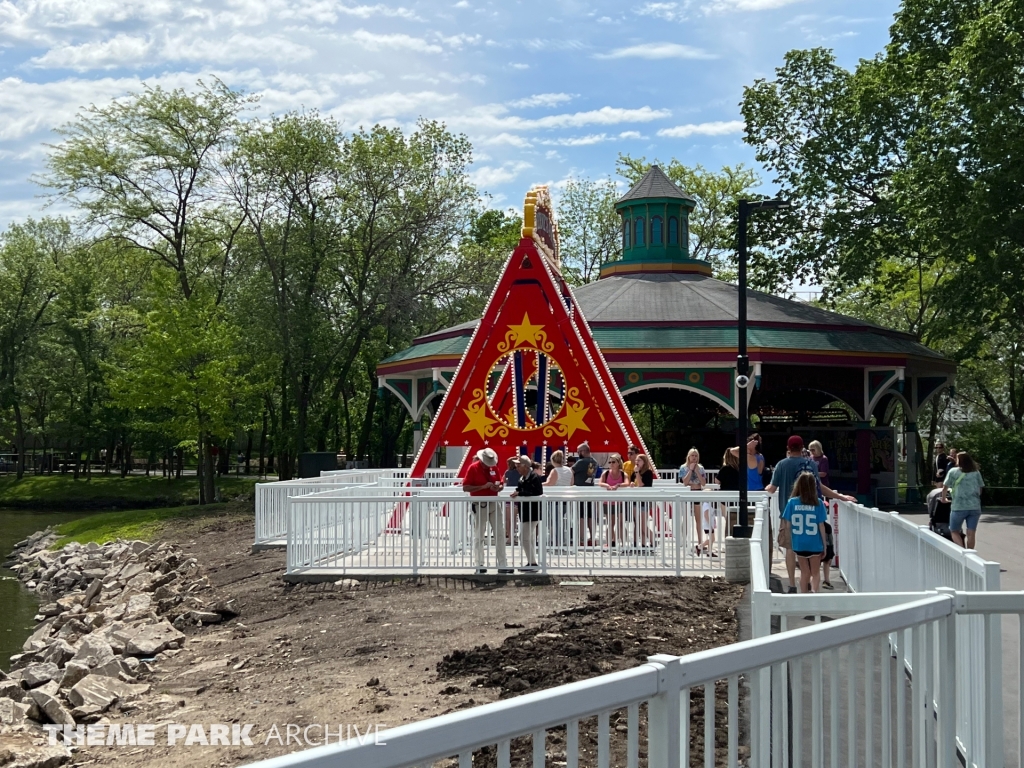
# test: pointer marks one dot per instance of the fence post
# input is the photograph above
(677, 532)
(994, 672)
(414, 547)
(945, 733)
(664, 729)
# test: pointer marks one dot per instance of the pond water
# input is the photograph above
(17, 604)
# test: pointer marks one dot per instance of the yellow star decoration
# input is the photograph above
(525, 332)
(477, 419)
(573, 418)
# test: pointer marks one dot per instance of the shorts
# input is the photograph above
(800, 553)
(970, 516)
(709, 520)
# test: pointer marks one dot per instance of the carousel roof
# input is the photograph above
(655, 184)
(691, 312)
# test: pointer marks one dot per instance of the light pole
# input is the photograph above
(743, 530)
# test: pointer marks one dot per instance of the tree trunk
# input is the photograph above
(200, 467)
(248, 450)
(263, 445)
(19, 440)
(363, 448)
(209, 476)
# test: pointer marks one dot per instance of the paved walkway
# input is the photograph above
(1001, 538)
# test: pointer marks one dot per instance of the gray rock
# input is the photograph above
(130, 571)
(11, 689)
(73, 672)
(138, 605)
(50, 609)
(93, 651)
(150, 640)
(52, 708)
(38, 639)
(35, 675)
(88, 713)
(93, 591)
(14, 712)
(60, 652)
(103, 692)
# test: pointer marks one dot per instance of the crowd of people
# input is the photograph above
(802, 478)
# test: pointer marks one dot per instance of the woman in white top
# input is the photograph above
(560, 475)
(693, 474)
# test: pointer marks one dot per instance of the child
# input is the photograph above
(804, 520)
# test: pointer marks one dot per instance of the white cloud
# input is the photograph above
(666, 11)
(125, 51)
(542, 100)
(630, 135)
(657, 51)
(354, 78)
(487, 176)
(719, 128)
(458, 41)
(579, 141)
(119, 51)
(387, 105)
(374, 42)
(494, 117)
(519, 65)
(722, 6)
(505, 138)
(461, 4)
(366, 11)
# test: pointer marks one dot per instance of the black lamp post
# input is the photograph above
(744, 530)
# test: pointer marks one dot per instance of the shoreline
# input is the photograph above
(354, 654)
(108, 616)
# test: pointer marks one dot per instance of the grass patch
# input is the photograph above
(63, 492)
(145, 524)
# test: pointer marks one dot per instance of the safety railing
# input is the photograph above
(889, 561)
(272, 502)
(884, 552)
(829, 694)
(567, 530)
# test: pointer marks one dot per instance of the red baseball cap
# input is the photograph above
(795, 443)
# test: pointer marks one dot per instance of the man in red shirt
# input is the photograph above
(483, 480)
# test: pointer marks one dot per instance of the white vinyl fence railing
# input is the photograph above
(635, 531)
(888, 561)
(884, 552)
(828, 694)
(272, 498)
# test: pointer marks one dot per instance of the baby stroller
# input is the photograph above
(938, 514)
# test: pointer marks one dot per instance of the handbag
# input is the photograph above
(784, 540)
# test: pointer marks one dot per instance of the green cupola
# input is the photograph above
(655, 229)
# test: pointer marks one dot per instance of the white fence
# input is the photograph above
(631, 531)
(828, 694)
(888, 561)
(272, 498)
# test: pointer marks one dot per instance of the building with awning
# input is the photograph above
(667, 329)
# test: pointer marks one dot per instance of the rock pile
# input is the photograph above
(116, 610)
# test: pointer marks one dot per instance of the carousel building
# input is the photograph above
(667, 329)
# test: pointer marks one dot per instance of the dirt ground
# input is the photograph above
(385, 653)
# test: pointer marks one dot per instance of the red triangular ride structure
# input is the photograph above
(532, 380)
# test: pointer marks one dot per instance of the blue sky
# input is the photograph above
(545, 90)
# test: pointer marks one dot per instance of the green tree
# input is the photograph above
(148, 170)
(590, 231)
(184, 369)
(31, 257)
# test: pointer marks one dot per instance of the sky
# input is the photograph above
(546, 90)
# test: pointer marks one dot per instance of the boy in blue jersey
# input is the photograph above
(804, 519)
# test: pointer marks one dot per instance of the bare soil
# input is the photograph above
(386, 653)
